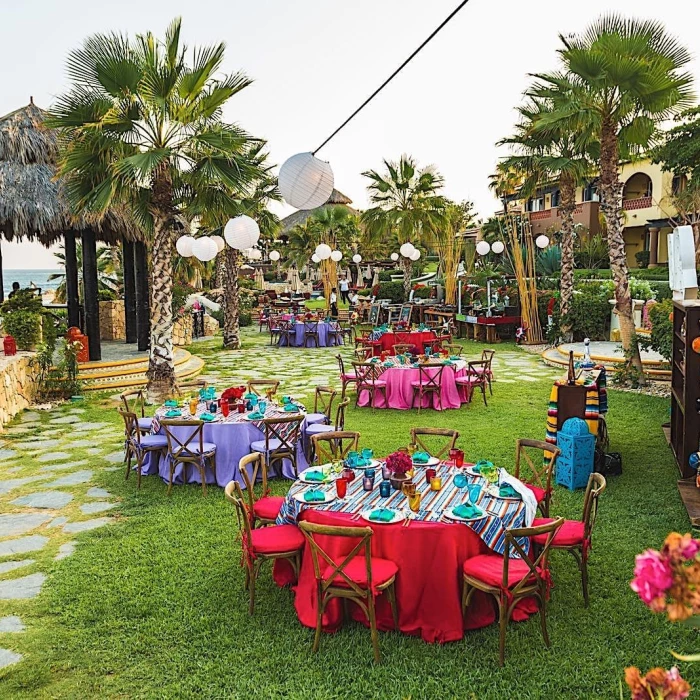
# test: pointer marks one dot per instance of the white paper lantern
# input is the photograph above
(323, 251)
(204, 249)
(305, 181)
(407, 250)
(274, 255)
(315, 259)
(254, 254)
(336, 256)
(483, 247)
(220, 243)
(415, 255)
(394, 256)
(242, 232)
(357, 258)
(497, 247)
(184, 246)
(542, 241)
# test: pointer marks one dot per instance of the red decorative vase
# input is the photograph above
(9, 345)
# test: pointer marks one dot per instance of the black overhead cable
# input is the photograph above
(393, 75)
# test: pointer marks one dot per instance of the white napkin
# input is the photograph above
(529, 499)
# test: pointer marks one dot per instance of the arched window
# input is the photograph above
(637, 187)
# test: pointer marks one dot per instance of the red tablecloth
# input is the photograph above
(428, 585)
(416, 338)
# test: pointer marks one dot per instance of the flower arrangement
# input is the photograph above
(234, 393)
(398, 463)
(657, 684)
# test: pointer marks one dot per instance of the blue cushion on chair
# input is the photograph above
(259, 445)
(154, 441)
(312, 418)
(145, 423)
(319, 428)
(193, 448)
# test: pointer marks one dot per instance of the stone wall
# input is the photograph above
(211, 325)
(18, 385)
(182, 330)
(112, 320)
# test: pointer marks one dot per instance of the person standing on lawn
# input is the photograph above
(334, 303)
(344, 289)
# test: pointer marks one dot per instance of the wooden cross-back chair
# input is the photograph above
(135, 402)
(191, 450)
(429, 383)
(538, 472)
(311, 333)
(264, 508)
(346, 378)
(487, 357)
(195, 385)
(334, 445)
(575, 536)
(362, 354)
(137, 445)
(510, 580)
(324, 396)
(475, 378)
(259, 387)
(355, 577)
(402, 348)
(419, 435)
(281, 438)
(263, 544)
(453, 348)
(367, 379)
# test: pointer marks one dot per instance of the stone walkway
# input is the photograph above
(50, 459)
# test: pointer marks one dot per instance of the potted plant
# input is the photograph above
(398, 463)
(21, 318)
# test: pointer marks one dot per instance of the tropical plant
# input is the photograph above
(505, 182)
(661, 337)
(406, 205)
(142, 128)
(543, 156)
(109, 274)
(550, 262)
(620, 79)
(591, 252)
(21, 318)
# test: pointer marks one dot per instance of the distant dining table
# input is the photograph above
(429, 553)
(400, 376)
(232, 436)
(327, 332)
(416, 339)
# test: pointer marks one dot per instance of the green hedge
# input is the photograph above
(661, 329)
(390, 290)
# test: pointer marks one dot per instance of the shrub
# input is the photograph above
(589, 316)
(21, 318)
(363, 292)
(591, 252)
(422, 292)
(245, 319)
(662, 290)
(386, 275)
(390, 290)
(642, 258)
(661, 338)
(106, 295)
(180, 294)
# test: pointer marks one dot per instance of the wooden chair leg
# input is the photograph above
(483, 393)
(503, 626)
(543, 618)
(128, 463)
(584, 576)
(391, 594)
(172, 475)
(251, 590)
(373, 627)
(319, 618)
(139, 468)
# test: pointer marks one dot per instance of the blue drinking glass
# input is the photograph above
(461, 481)
(370, 473)
(474, 492)
(385, 489)
(367, 453)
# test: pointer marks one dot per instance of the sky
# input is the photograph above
(315, 61)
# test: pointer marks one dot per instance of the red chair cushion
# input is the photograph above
(379, 383)
(489, 569)
(469, 379)
(349, 376)
(568, 535)
(277, 538)
(356, 569)
(268, 507)
(538, 491)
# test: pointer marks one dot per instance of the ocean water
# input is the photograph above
(27, 277)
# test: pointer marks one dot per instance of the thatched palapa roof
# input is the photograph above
(300, 217)
(32, 203)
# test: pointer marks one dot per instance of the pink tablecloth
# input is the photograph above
(399, 391)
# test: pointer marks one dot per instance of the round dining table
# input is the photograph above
(326, 338)
(416, 339)
(429, 553)
(399, 376)
(232, 436)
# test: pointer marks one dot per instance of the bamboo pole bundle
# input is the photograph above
(525, 276)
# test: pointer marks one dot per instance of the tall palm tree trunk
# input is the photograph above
(611, 205)
(232, 300)
(567, 190)
(407, 266)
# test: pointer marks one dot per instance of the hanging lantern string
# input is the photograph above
(393, 75)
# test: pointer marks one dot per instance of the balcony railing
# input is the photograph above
(539, 215)
(639, 203)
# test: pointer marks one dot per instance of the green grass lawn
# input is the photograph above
(154, 607)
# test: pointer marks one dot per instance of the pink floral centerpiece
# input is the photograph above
(397, 464)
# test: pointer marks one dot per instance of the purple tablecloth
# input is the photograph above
(324, 338)
(232, 439)
(399, 392)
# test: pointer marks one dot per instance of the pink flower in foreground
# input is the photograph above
(653, 576)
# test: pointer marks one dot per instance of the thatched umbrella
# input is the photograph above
(33, 207)
(300, 216)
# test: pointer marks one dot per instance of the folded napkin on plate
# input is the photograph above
(171, 403)
(482, 463)
(454, 358)
(208, 417)
(382, 515)
(421, 457)
(315, 476)
(526, 494)
(388, 364)
(173, 414)
(507, 491)
(467, 510)
(289, 407)
(314, 496)
(256, 415)
(448, 363)
(374, 359)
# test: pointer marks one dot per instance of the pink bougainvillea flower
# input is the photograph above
(653, 576)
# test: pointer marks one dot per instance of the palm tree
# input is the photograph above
(620, 79)
(142, 127)
(406, 205)
(543, 156)
(505, 182)
(108, 276)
